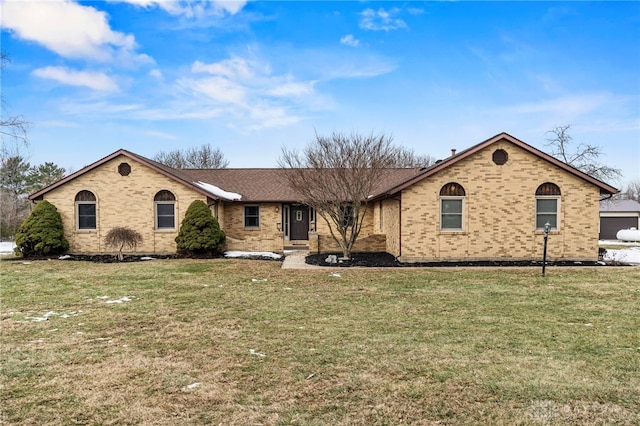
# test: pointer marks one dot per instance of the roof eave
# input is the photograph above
(604, 188)
(135, 157)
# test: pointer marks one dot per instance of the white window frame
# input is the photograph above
(157, 216)
(95, 208)
(557, 214)
(462, 215)
(244, 217)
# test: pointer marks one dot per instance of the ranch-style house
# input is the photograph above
(488, 202)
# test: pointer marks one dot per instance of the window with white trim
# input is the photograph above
(86, 211)
(165, 210)
(452, 207)
(547, 205)
(251, 216)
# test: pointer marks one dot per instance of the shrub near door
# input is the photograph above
(200, 234)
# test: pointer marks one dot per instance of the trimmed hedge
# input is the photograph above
(41, 233)
(200, 233)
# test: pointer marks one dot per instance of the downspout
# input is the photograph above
(400, 225)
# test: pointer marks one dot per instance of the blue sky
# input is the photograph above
(252, 77)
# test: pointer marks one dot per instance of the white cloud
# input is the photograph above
(292, 89)
(567, 106)
(93, 80)
(192, 8)
(218, 89)
(69, 29)
(350, 40)
(381, 20)
(230, 68)
(156, 73)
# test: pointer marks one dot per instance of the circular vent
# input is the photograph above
(124, 169)
(500, 157)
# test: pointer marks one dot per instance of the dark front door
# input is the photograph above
(299, 223)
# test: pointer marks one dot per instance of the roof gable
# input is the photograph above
(604, 188)
(171, 173)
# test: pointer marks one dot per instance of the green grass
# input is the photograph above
(387, 347)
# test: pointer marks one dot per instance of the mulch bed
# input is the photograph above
(381, 259)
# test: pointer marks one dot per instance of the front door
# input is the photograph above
(299, 222)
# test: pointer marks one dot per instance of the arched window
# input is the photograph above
(452, 207)
(547, 205)
(86, 217)
(165, 210)
(452, 189)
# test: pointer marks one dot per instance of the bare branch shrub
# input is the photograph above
(121, 237)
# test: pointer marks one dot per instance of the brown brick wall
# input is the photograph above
(391, 224)
(121, 201)
(370, 238)
(499, 212)
(266, 237)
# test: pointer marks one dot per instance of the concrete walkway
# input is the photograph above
(295, 260)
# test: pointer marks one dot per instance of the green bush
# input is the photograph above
(41, 233)
(200, 233)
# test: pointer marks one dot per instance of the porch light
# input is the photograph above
(279, 226)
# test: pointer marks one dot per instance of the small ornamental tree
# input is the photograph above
(120, 237)
(200, 233)
(41, 233)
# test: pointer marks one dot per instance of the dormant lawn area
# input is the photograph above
(170, 342)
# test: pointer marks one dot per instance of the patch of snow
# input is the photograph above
(258, 280)
(619, 243)
(122, 299)
(64, 257)
(335, 275)
(190, 387)
(253, 352)
(147, 258)
(249, 254)
(219, 192)
(630, 255)
(6, 248)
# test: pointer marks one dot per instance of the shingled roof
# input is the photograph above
(271, 185)
(246, 185)
(605, 189)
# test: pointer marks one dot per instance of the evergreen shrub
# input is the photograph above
(200, 233)
(41, 233)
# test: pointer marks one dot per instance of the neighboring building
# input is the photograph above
(488, 202)
(616, 215)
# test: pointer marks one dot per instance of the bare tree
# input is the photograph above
(584, 158)
(13, 127)
(202, 157)
(336, 175)
(120, 237)
(631, 191)
(407, 158)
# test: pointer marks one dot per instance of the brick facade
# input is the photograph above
(265, 237)
(499, 208)
(499, 211)
(121, 201)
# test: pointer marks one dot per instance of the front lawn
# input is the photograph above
(228, 342)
